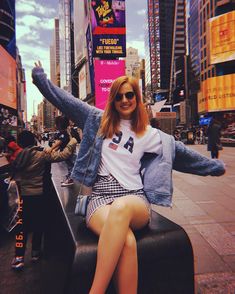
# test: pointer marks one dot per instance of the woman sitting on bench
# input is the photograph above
(109, 161)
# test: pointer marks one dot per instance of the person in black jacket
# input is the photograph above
(214, 133)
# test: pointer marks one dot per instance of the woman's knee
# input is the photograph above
(120, 209)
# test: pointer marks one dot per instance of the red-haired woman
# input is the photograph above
(109, 161)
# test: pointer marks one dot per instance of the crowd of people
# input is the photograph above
(111, 161)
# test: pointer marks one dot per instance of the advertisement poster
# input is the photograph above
(106, 71)
(7, 79)
(222, 38)
(80, 24)
(82, 83)
(217, 94)
(90, 59)
(108, 28)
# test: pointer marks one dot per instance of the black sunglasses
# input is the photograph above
(128, 95)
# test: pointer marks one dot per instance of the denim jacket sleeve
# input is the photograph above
(72, 107)
(190, 161)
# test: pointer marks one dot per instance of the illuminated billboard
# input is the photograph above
(217, 94)
(7, 79)
(108, 28)
(222, 38)
(106, 71)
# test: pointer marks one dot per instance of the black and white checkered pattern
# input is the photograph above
(105, 190)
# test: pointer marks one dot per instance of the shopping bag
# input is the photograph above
(11, 216)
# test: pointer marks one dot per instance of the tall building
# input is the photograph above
(52, 112)
(166, 40)
(194, 66)
(55, 54)
(132, 63)
(65, 44)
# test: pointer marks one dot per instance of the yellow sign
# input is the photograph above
(222, 37)
(217, 94)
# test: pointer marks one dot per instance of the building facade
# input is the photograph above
(166, 40)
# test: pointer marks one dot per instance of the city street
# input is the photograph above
(203, 206)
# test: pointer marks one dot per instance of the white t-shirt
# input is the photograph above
(121, 155)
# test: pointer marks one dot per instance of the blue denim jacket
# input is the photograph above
(156, 170)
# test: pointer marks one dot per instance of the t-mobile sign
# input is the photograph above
(106, 71)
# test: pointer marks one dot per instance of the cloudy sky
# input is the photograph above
(34, 29)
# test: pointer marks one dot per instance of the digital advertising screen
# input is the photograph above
(108, 28)
(222, 38)
(217, 94)
(7, 79)
(106, 71)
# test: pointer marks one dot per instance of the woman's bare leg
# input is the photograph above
(124, 212)
(126, 273)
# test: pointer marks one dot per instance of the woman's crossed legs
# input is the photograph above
(117, 251)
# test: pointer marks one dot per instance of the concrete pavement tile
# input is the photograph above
(189, 208)
(217, 212)
(172, 214)
(194, 180)
(178, 194)
(216, 283)
(218, 238)
(226, 201)
(230, 227)
(206, 259)
(230, 261)
(202, 219)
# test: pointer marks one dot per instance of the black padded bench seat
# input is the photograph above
(165, 253)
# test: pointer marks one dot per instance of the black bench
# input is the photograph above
(164, 252)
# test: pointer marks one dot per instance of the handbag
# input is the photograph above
(219, 146)
(83, 199)
(81, 205)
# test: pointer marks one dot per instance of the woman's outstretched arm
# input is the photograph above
(190, 161)
(72, 107)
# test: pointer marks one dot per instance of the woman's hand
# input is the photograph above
(38, 64)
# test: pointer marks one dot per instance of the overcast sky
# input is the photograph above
(34, 29)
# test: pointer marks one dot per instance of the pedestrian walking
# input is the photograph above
(31, 172)
(109, 161)
(214, 133)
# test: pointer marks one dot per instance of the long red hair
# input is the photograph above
(110, 121)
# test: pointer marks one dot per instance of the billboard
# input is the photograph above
(90, 59)
(7, 79)
(222, 38)
(80, 25)
(82, 83)
(106, 71)
(108, 28)
(217, 94)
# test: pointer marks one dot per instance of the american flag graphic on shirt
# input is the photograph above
(113, 146)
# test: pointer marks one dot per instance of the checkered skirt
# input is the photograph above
(105, 190)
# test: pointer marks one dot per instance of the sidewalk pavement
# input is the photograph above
(203, 206)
